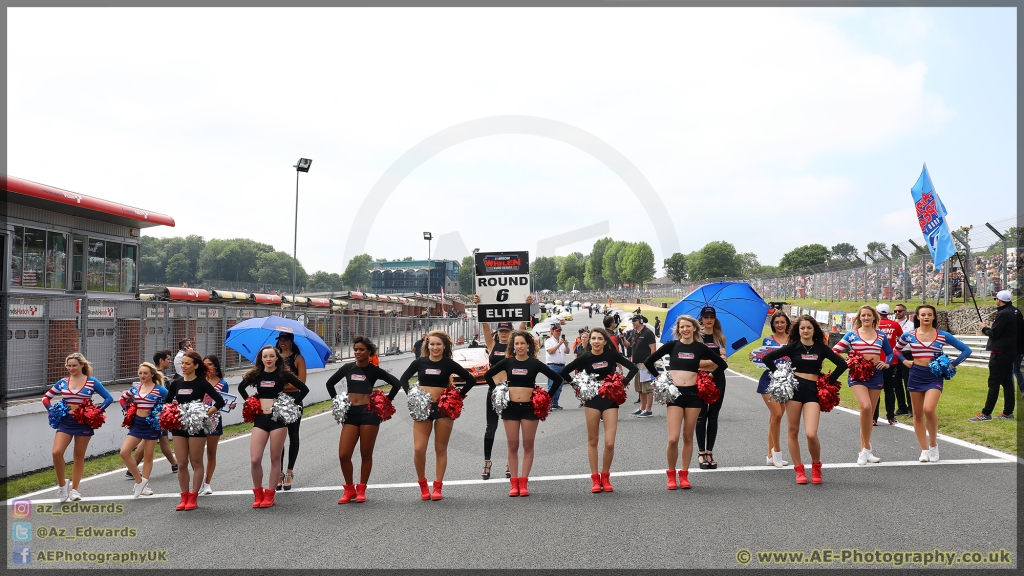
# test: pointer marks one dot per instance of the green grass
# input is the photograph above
(32, 481)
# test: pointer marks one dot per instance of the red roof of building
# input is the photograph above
(57, 200)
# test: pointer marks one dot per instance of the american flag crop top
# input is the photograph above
(146, 402)
(92, 386)
(919, 349)
(852, 341)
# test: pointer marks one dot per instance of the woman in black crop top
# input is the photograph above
(520, 367)
(807, 350)
(189, 448)
(297, 364)
(707, 421)
(686, 353)
(601, 360)
(269, 377)
(360, 425)
(434, 369)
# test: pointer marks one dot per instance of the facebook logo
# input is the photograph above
(21, 531)
(21, 555)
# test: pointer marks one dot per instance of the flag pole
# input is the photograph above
(967, 280)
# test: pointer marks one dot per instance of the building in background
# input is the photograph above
(423, 276)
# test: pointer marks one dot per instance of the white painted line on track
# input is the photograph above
(943, 437)
(504, 481)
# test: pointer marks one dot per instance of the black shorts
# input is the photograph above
(687, 398)
(600, 403)
(181, 433)
(806, 391)
(518, 411)
(265, 422)
(434, 414)
(361, 416)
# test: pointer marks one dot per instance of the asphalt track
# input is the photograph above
(966, 502)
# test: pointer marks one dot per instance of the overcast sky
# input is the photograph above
(768, 128)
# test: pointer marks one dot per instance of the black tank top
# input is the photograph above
(498, 353)
(709, 341)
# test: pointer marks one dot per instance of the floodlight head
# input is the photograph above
(303, 165)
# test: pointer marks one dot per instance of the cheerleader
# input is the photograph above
(213, 372)
(686, 353)
(521, 368)
(707, 421)
(78, 387)
(807, 352)
(268, 377)
(144, 394)
(601, 360)
(925, 344)
(874, 346)
(297, 364)
(361, 425)
(188, 448)
(434, 368)
(781, 325)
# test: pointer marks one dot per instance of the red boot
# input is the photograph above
(523, 490)
(424, 489)
(815, 472)
(360, 493)
(258, 495)
(606, 481)
(596, 479)
(801, 476)
(191, 503)
(515, 486)
(350, 493)
(684, 479)
(184, 502)
(268, 498)
(437, 490)
(671, 479)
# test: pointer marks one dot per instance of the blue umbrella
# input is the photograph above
(739, 308)
(248, 337)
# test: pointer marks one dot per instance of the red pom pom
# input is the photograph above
(828, 393)
(861, 369)
(613, 388)
(129, 415)
(380, 405)
(450, 403)
(706, 389)
(541, 403)
(90, 415)
(170, 416)
(251, 408)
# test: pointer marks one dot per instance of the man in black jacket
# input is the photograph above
(1002, 345)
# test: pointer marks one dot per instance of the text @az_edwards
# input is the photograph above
(882, 557)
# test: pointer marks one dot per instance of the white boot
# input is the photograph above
(872, 458)
(862, 458)
(925, 455)
(777, 460)
(62, 491)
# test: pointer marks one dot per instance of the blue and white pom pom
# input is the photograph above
(194, 418)
(665, 390)
(340, 406)
(154, 415)
(783, 383)
(942, 367)
(57, 413)
(419, 404)
(586, 385)
(500, 397)
(285, 409)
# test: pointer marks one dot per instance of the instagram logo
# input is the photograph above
(21, 509)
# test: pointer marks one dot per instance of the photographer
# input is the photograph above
(556, 347)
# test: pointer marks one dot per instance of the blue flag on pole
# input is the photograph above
(931, 215)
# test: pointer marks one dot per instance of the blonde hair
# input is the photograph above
(86, 367)
(687, 318)
(874, 313)
(158, 377)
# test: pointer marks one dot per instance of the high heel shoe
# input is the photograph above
(703, 460)
(280, 482)
(288, 476)
(712, 464)
(486, 474)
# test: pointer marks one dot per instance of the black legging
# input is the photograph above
(707, 422)
(492, 424)
(293, 442)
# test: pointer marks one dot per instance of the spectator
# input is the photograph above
(641, 346)
(556, 347)
(903, 373)
(657, 326)
(184, 347)
(417, 346)
(1002, 346)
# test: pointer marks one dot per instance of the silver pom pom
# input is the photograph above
(500, 397)
(665, 390)
(586, 385)
(419, 404)
(285, 409)
(194, 419)
(783, 383)
(211, 423)
(339, 407)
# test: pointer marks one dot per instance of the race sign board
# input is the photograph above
(503, 285)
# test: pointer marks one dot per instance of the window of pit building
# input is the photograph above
(39, 258)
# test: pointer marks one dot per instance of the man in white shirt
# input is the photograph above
(556, 347)
(184, 347)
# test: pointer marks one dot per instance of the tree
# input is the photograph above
(875, 248)
(357, 273)
(177, 269)
(276, 268)
(322, 281)
(748, 264)
(466, 274)
(675, 267)
(609, 263)
(637, 263)
(844, 250)
(714, 260)
(409, 259)
(799, 258)
(573, 266)
(545, 273)
(570, 283)
(1014, 238)
(590, 279)
(233, 259)
(596, 264)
